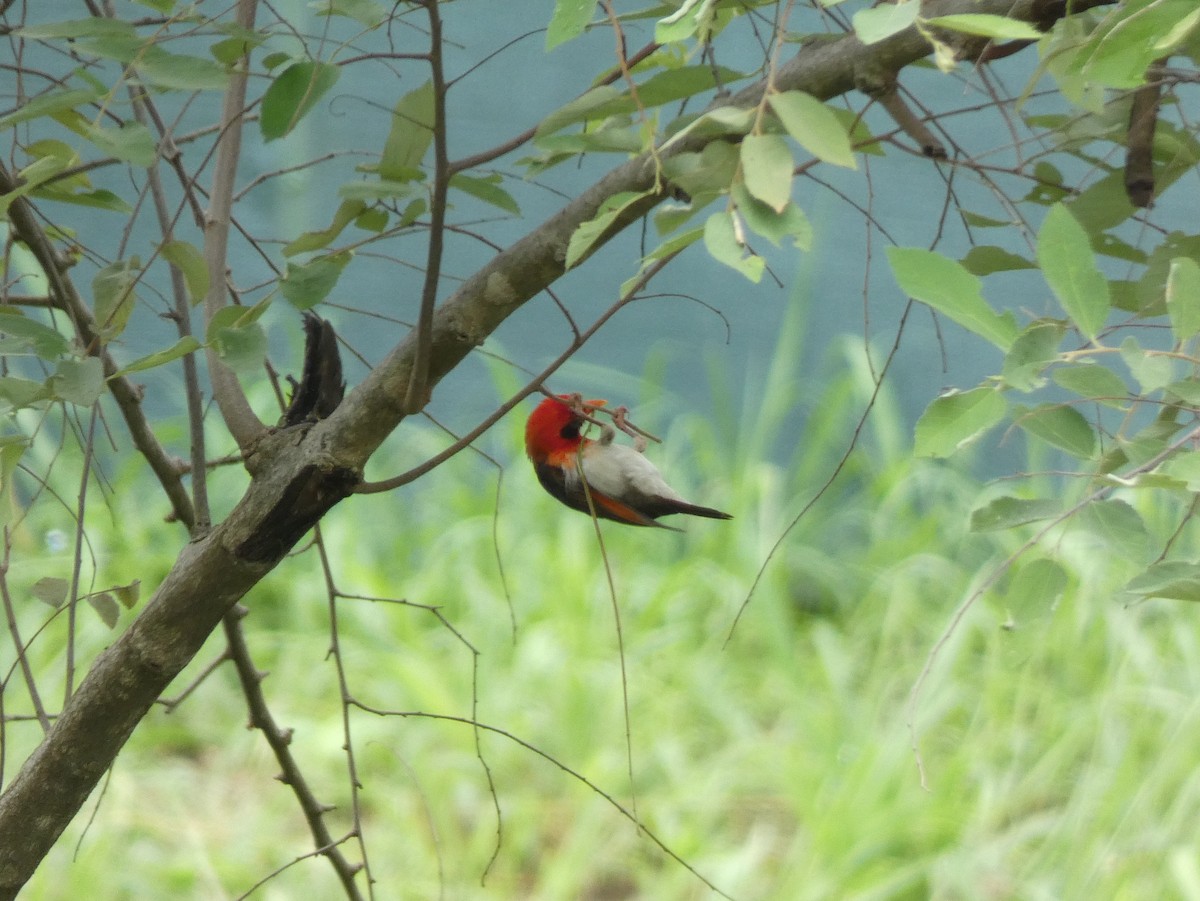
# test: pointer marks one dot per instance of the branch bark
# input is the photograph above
(128, 397)
(299, 474)
(235, 408)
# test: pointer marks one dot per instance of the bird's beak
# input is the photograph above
(595, 403)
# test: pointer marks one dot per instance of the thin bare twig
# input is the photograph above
(280, 741)
(417, 394)
(235, 409)
(554, 761)
(10, 615)
(25, 223)
(335, 651)
(533, 386)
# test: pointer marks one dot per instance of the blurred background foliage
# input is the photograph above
(868, 730)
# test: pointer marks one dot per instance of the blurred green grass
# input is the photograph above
(1057, 744)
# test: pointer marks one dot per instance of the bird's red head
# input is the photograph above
(552, 429)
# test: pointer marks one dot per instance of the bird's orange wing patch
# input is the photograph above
(614, 509)
(564, 457)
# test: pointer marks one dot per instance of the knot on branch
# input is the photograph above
(307, 496)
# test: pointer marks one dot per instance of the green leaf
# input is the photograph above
(1134, 37)
(1069, 267)
(724, 120)
(1059, 426)
(235, 317)
(131, 142)
(30, 178)
(767, 169)
(79, 382)
(241, 41)
(292, 94)
(128, 594)
(18, 393)
(814, 126)
(726, 246)
(1035, 348)
(668, 247)
(665, 86)
(176, 71)
(986, 259)
(1117, 525)
(367, 13)
(410, 135)
(1183, 297)
(706, 174)
(678, 242)
(679, 83)
(73, 29)
(977, 220)
(100, 199)
(48, 104)
(791, 223)
(237, 338)
(50, 590)
(1009, 512)
(580, 109)
(1152, 370)
(1034, 589)
(949, 288)
(43, 340)
(12, 447)
(486, 189)
(273, 61)
(607, 137)
(1093, 381)
(570, 18)
(182, 347)
(692, 17)
(589, 233)
(104, 605)
(306, 285)
(380, 189)
(955, 420)
(372, 220)
(988, 26)
(188, 259)
(348, 211)
(1176, 581)
(114, 296)
(1185, 468)
(1185, 390)
(883, 21)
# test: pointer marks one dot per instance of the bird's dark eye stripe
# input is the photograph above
(570, 431)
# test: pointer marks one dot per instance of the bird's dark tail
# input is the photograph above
(694, 510)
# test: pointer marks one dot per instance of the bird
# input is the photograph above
(623, 485)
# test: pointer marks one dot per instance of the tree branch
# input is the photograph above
(280, 741)
(235, 408)
(298, 474)
(128, 397)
